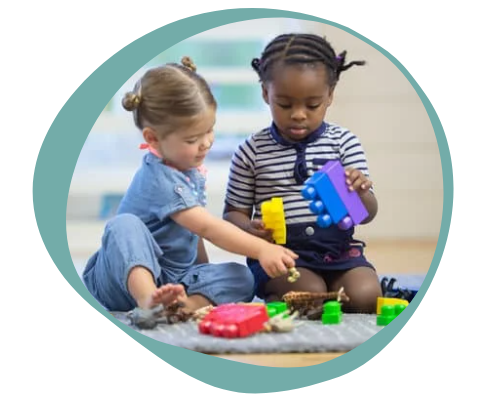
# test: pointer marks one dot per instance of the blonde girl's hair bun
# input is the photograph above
(131, 101)
(188, 63)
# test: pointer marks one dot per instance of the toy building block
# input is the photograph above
(387, 316)
(234, 320)
(326, 203)
(388, 313)
(356, 210)
(275, 308)
(342, 207)
(384, 301)
(332, 313)
(273, 217)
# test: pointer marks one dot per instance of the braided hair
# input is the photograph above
(301, 49)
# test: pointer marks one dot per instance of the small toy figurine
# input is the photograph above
(293, 275)
(147, 318)
(283, 322)
(150, 318)
(331, 199)
(201, 313)
(310, 304)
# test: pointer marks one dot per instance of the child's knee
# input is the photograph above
(124, 229)
(363, 298)
(123, 223)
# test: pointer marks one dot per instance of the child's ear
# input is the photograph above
(265, 94)
(150, 136)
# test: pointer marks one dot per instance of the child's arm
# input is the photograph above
(370, 202)
(241, 190)
(274, 259)
(237, 216)
(242, 219)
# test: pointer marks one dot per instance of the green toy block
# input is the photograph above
(275, 308)
(399, 308)
(332, 313)
(387, 315)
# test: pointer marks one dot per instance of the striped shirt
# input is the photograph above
(263, 167)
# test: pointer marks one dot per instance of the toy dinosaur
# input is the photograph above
(201, 313)
(283, 322)
(310, 304)
(150, 318)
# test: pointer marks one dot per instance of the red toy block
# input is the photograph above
(234, 320)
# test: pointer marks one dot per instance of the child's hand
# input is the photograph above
(257, 228)
(357, 181)
(276, 260)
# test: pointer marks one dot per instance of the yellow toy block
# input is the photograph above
(385, 301)
(273, 216)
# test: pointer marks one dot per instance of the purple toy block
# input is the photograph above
(351, 200)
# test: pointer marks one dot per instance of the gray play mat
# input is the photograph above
(308, 337)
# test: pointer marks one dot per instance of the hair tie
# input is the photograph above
(188, 63)
(256, 64)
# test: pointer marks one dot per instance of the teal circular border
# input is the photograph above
(59, 154)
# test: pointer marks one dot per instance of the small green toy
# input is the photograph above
(389, 313)
(332, 313)
(275, 308)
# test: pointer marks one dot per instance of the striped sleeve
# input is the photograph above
(352, 154)
(240, 191)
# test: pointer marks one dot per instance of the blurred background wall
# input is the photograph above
(374, 101)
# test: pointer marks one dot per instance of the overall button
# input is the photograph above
(309, 231)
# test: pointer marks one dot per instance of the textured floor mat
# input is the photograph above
(308, 337)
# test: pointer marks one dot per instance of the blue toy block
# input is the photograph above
(326, 203)
(331, 199)
(351, 200)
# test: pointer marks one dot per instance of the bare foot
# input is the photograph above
(167, 295)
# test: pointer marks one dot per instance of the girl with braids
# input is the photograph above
(298, 74)
(152, 253)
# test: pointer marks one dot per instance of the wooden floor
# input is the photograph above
(395, 257)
